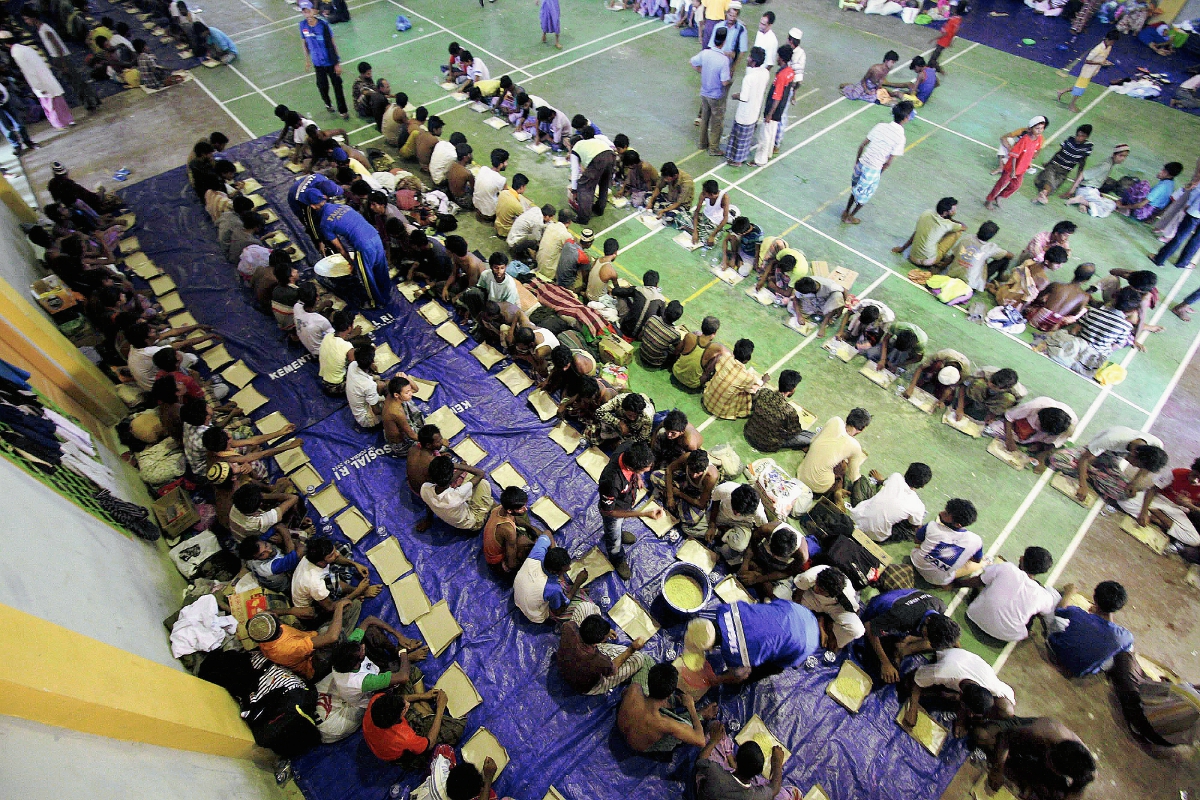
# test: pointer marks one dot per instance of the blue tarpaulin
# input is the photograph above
(553, 736)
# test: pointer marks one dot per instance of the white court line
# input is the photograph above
(348, 59)
(1084, 421)
(224, 107)
(256, 10)
(1070, 124)
(465, 41)
(290, 20)
(589, 44)
(252, 84)
(902, 276)
(589, 55)
(956, 133)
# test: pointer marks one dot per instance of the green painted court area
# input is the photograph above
(630, 75)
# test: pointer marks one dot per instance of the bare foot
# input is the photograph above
(897, 249)
(373, 591)
(853, 221)
(1183, 312)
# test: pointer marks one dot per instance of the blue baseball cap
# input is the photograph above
(311, 197)
(305, 4)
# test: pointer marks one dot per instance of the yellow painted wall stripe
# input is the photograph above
(58, 677)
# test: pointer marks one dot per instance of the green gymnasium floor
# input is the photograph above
(630, 76)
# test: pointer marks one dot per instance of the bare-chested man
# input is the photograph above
(1043, 758)
(467, 267)
(508, 535)
(401, 417)
(428, 447)
(1060, 304)
(499, 321)
(674, 437)
(645, 720)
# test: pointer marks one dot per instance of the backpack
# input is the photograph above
(825, 522)
(284, 721)
(853, 559)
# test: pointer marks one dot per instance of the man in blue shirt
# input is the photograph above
(1085, 642)
(347, 230)
(737, 41)
(713, 65)
(321, 53)
(1188, 226)
(305, 191)
(540, 589)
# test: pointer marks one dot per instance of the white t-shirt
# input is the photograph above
(311, 328)
(478, 70)
(308, 584)
(955, 665)
(141, 365)
(347, 686)
(895, 501)
(752, 94)
(488, 185)
(735, 540)
(1009, 599)
(884, 140)
(769, 42)
(944, 552)
(451, 505)
(362, 393)
(444, 154)
(332, 358)
(300, 135)
(847, 626)
(1118, 438)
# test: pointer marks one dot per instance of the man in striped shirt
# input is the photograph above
(1107, 329)
(1072, 154)
(660, 336)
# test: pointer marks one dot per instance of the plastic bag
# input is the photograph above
(778, 489)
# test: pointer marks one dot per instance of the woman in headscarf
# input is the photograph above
(1020, 157)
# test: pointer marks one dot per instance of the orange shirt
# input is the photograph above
(391, 743)
(293, 649)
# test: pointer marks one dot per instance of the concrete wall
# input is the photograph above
(67, 567)
(20, 265)
(38, 762)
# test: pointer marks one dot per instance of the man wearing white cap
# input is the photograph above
(797, 63)
(45, 86)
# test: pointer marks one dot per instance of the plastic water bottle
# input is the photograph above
(829, 656)
(810, 663)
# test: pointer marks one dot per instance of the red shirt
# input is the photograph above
(1182, 487)
(391, 743)
(949, 31)
(190, 386)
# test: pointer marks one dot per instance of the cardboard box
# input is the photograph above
(175, 512)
